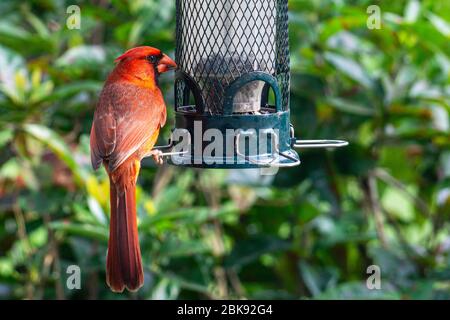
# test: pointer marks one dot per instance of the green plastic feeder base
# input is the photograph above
(232, 141)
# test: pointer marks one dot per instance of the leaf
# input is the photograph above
(340, 231)
(181, 248)
(192, 215)
(6, 136)
(37, 24)
(350, 107)
(10, 169)
(354, 20)
(183, 283)
(11, 64)
(15, 36)
(396, 267)
(398, 204)
(59, 147)
(98, 189)
(13, 31)
(41, 92)
(350, 68)
(412, 11)
(358, 290)
(247, 251)
(311, 278)
(65, 91)
(165, 289)
(440, 24)
(97, 210)
(81, 56)
(86, 231)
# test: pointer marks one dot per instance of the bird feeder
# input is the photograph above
(232, 86)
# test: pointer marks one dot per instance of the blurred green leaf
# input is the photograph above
(58, 146)
(359, 291)
(350, 107)
(350, 68)
(87, 231)
(6, 136)
(412, 11)
(440, 24)
(247, 251)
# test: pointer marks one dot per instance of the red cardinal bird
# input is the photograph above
(127, 120)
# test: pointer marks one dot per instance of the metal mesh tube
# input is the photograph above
(220, 40)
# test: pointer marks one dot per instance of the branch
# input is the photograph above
(376, 208)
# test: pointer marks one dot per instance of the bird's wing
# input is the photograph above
(127, 116)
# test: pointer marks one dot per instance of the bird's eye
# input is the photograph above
(152, 59)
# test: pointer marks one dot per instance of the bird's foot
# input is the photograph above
(157, 156)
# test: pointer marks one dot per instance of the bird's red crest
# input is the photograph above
(139, 52)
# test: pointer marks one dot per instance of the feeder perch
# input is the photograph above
(233, 80)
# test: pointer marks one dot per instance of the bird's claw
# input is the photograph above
(158, 157)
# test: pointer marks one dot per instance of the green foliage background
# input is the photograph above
(310, 233)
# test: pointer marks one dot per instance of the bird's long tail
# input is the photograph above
(123, 262)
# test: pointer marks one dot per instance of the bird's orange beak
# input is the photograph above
(165, 64)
